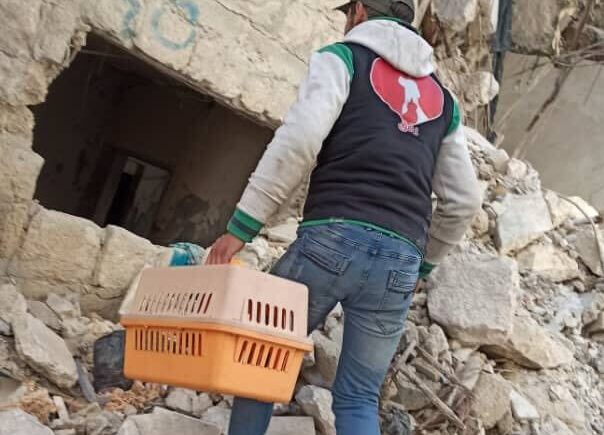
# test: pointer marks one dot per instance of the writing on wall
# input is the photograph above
(187, 7)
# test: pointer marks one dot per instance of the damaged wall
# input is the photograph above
(568, 149)
(249, 56)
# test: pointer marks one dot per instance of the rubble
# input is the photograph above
(316, 402)
(456, 14)
(492, 399)
(291, 426)
(162, 421)
(473, 298)
(17, 422)
(522, 408)
(585, 244)
(44, 351)
(13, 305)
(549, 262)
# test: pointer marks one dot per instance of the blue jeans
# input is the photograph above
(373, 276)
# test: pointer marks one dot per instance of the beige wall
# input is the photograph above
(569, 150)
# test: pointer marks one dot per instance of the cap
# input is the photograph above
(382, 6)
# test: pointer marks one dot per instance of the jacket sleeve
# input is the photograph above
(458, 196)
(292, 153)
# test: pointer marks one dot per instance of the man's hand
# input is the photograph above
(224, 249)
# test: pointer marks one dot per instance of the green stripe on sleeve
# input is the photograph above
(455, 119)
(344, 53)
(243, 226)
(425, 269)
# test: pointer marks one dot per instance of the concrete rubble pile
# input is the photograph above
(506, 337)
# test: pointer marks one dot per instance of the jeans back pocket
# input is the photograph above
(325, 256)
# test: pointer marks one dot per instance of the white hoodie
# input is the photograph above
(292, 154)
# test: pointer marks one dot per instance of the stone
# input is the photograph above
(5, 328)
(524, 218)
(291, 426)
(316, 403)
(474, 297)
(217, 416)
(586, 245)
(122, 257)
(536, 24)
(103, 423)
(531, 346)
(562, 210)
(497, 157)
(597, 326)
(456, 14)
(492, 399)
(19, 169)
(522, 409)
(481, 88)
(58, 247)
(42, 312)
(327, 354)
(480, 223)
(549, 262)
(201, 403)
(554, 426)
(13, 219)
(409, 395)
(44, 351)
(13, 303)
(434, 340)
(16, 126)
(17, 422)
(11, 392)
(162, 422)
(63, 307)
(181, 399)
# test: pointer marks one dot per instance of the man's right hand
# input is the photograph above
(224, 249)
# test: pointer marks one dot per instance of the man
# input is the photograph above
(379, 133)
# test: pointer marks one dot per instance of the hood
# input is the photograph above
(399, 46)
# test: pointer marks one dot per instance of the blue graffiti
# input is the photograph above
(190, 9)
(131, 14)
(192, 12)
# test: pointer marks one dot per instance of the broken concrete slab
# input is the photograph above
(474, 297)
(42, 312)
(586, 245)
(123, 256)
(162, 421)
(13, 303)
(492, 399)
(549, 262)
(44, 351)
(531, 346)
(218, 416)
(291, 426)
(58, 247)
(456, 14)
(63, 307)
(17, 422)
(562, 210)
(524, 218)
(316, 403)
(522, 408)
(181, 399)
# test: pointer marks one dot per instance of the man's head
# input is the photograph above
(358, 12)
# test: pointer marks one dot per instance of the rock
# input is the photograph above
(13, 303)
(410, 396)
(562, 210)
(58, 247)
(42, 312)
(456, 14)
(123, 255)
(474, 297)
(103, 423)
(524, 218)
(5, 328)
(181, 399)
(44, 350)
(327, 354)
(480, 223)
(17, 422)
(585, 243)
(522, 408)
(531, 346)
(434, 340)
(492, 399)
(316, 402)
(11, 392)
(217, 416)
(201, 403)
(481, 87)
(597, 326)
(549, 262)
(497, 157)
(63, 307)
(554, 426)
(162, 422)
(291, 426)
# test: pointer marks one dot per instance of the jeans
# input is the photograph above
(373, 276)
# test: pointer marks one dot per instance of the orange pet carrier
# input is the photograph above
(223, 329)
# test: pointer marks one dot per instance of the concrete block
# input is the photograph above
(19, 170)
(13, 218)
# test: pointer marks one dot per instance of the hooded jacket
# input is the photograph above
(312, 121)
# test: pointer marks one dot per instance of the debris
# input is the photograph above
(492, 399)
(524, 218)
(291, 426)
(42, 312)
(17, 422)
(62, 307)
(316, 402)
(474, 297)
(44, 350)
(585, 243)
(218, 416)
(182, 400)
(13, 304)
(162, 422)
(455, 14)
(549, 262)
(522, 408)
